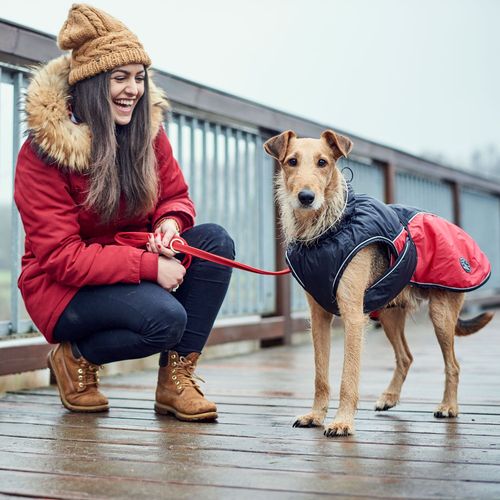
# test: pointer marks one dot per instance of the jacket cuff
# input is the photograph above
(149, 266)
(175, 217)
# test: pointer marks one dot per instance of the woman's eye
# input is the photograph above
(321, 162)
(139, 79)
(292, 162)
(119, 78)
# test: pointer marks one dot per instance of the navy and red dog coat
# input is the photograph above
(425, 251)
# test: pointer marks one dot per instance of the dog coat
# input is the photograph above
(424, 249)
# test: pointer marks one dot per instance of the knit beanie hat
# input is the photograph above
(98, 42)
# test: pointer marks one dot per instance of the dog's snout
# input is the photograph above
(306, 197)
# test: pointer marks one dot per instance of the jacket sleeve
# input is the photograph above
(174, 200)
(50, 218)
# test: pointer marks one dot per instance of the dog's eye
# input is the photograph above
(321, 162)
(292, 162)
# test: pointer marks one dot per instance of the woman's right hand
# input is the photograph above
(170, 273)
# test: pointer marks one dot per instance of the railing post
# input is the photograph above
(15, 219)
(283, 283)
(457, 206)
(389, 182)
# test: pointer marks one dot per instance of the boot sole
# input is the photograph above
(66, 404)
(168, 410)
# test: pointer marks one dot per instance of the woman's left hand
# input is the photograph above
(159, 243)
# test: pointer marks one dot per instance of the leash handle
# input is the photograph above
(179, 245)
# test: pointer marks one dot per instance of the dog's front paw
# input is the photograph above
(446, 411)
(340, 428)
(386, 401)
(309, 420)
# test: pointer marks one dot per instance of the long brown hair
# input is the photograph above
(122, 157)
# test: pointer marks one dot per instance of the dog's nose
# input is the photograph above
(306, 197)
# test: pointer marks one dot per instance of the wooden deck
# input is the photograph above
(253, 451)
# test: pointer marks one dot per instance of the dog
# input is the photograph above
(313, 197)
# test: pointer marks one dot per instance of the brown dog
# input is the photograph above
(311, 197)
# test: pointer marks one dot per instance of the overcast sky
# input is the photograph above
(419, 75)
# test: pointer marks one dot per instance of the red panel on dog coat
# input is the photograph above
(447, 256)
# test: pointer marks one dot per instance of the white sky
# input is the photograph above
(419, 75)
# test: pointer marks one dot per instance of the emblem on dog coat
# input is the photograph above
(424, 249)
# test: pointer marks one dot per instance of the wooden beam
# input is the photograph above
(30, 354)
(23, 358)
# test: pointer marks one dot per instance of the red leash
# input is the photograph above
(179, 245)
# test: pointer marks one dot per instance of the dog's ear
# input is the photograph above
(340, 144)
(277, 145)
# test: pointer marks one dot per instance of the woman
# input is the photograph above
(97, 161)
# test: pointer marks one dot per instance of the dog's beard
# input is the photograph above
(322, 215)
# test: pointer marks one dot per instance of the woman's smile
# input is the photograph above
(124, 106)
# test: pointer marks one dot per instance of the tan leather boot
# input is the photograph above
(77, 380)
(178, 393)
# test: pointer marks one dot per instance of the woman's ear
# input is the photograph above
(340, 144)
(278, 145)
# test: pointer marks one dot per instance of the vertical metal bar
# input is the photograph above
(180, 145)
(227, 179)
(457, 205)
(240, 296)
(217, 179)
(267, 220)
(15, 219)
(192, 161)
(262, 214)
(166, 123)
(206, 174)
(9, 325)
(250, 213)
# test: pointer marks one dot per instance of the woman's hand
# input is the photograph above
(170, 273)
(160, 241)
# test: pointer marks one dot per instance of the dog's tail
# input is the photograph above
(470, 326)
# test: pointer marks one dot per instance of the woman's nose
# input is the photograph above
(131, 88)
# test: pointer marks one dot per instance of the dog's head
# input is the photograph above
(308, 166)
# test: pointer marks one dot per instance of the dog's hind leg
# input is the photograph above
(444, 308)
(320, 323)
(393, 322)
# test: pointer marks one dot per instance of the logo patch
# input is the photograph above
(465, 265)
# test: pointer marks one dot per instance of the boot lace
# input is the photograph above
(184, 371)
(88, 374)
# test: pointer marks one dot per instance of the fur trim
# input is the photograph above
(49, 124)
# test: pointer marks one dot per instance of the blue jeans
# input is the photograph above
(127, 321)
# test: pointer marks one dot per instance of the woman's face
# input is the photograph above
(126, 88)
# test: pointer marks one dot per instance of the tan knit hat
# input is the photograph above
(98, 42)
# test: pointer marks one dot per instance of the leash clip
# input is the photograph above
(172, 241)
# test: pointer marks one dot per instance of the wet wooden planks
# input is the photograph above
(252, 451)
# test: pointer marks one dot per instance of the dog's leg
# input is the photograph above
(350, 298)
(320, 323)
(393, 322)
(444, 308)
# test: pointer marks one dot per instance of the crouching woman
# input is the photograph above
(96, 162)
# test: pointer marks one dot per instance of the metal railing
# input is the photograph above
(230, 181)
(217, 139)
(13, 315)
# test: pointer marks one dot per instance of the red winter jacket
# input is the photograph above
(65, 248)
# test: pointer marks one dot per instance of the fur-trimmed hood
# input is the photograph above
(49, 123)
